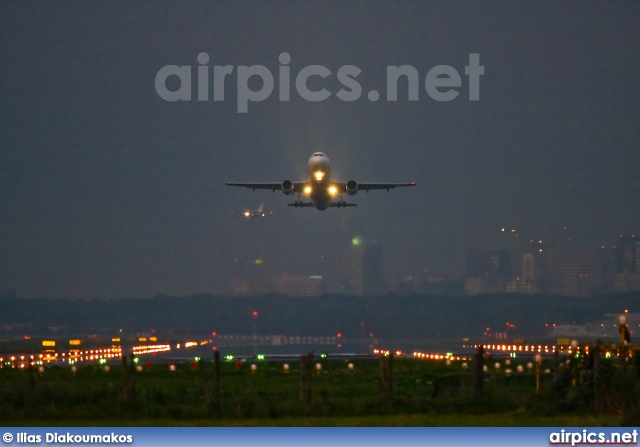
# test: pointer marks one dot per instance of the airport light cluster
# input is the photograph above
(387, 352)
(427, 356)
(75, 355)
(150, 349)
(517, 348)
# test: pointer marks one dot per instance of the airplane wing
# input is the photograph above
(368, 186)
(272, 186)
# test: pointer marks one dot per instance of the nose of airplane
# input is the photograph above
(319, 161)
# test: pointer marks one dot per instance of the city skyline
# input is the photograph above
(109, 190)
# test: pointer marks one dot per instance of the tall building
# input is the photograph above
(489, 263)
(626, 254)
(584, 272)
(363, 268)
(527, 283)
(546, 263)
(488, 271)
(528, 267)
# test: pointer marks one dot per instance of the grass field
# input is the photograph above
(426, 393)
(416, 420)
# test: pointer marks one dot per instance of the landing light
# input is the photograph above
(319, 175)
(333, 190)
(247, 213)
(307, 190)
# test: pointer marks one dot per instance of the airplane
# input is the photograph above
(248, 214)
(319, 187)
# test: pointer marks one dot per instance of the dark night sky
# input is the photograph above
(108, 190)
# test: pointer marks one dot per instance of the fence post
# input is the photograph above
(205, 383)
(216, 376)
(386, 377)
(32, 385)
(131, 379)
(597, 383)
(478, 371)
(556, 363)
(125, 379)
(306, 362)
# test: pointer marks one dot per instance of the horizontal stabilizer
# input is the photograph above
(342, 204)
(300, 204)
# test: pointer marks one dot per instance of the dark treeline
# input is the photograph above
(392, 315)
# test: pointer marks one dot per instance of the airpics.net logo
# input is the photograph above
(442, 83)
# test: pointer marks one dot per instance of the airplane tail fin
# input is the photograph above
(261, 208)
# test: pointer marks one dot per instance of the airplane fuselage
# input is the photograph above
(319, 181)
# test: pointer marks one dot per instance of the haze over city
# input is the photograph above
(108, 190)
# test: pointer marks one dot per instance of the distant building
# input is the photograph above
(627, 282)
(363, 268)
(525, 286)
(545, 268)
(527, 283)
(240, 287)
(299, 285)
(528, 267)
(431, 285)
(285, 284)
(584, 272)
(490, 263)
(626, 253)
(568, 330)
(488, 271)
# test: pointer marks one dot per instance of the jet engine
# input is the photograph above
(352, 187)
(287, 187)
